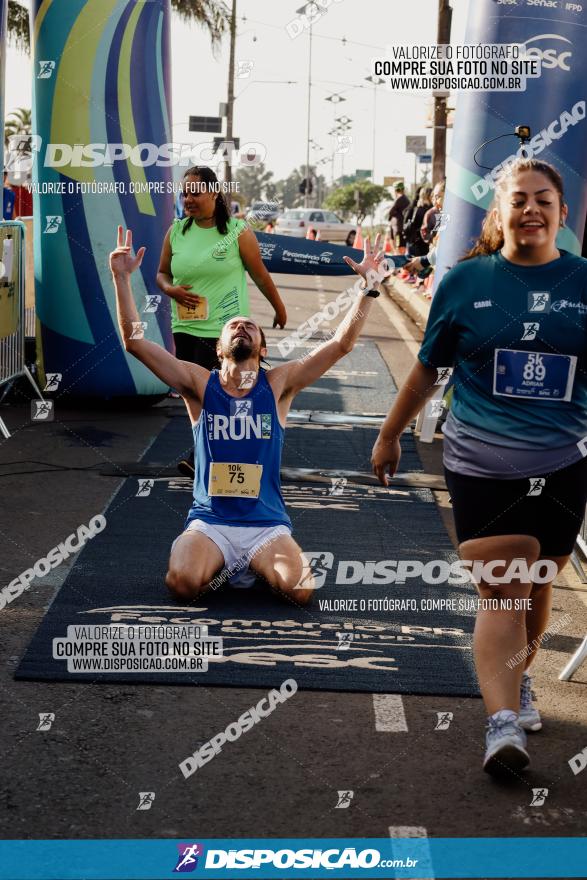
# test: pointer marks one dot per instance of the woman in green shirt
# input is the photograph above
(202, 268)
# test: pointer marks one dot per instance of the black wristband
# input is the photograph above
(374, 293)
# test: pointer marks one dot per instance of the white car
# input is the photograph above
(297, 221)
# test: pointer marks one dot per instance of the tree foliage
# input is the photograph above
(360, 198)
(287, 191)
(18, 26)
(17, 122)
(254, 182)
(213, 15)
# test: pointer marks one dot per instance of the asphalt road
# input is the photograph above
(82, 778)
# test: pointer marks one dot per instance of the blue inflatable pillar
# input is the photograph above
(101, 77)
(553, 105)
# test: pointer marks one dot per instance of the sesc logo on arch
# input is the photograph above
(550, 56)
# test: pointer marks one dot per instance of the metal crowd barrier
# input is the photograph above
(579, 554)
(12, 308)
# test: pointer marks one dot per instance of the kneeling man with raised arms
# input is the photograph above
(238, 519)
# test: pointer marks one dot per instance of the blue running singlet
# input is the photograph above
(237, 453)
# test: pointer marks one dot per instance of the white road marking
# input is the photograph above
(389, 713)
(407, 831)
(401, 325)
(422, 852)
(345, 374)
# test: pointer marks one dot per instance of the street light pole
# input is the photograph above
(374, 131)
(440, 101)
(377, 81)
(306, 194)
(230, 96)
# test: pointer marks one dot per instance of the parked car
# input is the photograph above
(264, 211)
(295, 222)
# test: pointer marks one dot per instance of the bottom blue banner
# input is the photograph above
(407, 858)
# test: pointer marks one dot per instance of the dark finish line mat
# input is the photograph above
(346, 528)
(360, 383)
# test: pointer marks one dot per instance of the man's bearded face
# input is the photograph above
(240, 340)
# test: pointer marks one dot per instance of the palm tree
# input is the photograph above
(17, 122)
(213, 15)
(18, 26)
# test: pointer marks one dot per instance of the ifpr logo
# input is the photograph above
(187, 861)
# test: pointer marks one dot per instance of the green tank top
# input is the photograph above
(212, 264)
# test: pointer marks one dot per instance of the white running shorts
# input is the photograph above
(238, 545)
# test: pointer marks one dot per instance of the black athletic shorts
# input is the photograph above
(197, 350)
(484, 507)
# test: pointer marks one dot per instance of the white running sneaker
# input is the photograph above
(529, 715)
(506, 744)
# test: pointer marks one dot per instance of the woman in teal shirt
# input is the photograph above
(202, 269)
(511, 320)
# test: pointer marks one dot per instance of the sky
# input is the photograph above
(275, 114)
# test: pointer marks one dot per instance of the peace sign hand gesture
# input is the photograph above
(121, 261)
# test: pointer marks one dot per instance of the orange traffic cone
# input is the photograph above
(387, 244)
(358, 242)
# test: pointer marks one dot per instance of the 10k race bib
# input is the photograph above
(234, 480)
(533, 374)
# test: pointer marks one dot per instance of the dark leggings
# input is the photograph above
(199, 350)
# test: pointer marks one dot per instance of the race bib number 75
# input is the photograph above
(234, 480)
(533, 374)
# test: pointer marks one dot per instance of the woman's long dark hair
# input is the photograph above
(221, 212)
(491, 238)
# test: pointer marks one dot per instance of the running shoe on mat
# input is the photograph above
(529, 715)
(506, 744)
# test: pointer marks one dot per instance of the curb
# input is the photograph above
(407, 299)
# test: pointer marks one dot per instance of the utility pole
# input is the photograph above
(440, 111)
(230, 98)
